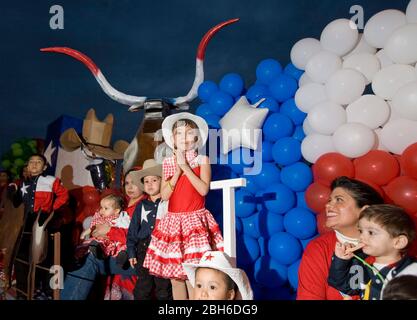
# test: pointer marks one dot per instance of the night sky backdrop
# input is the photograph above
(143, 48)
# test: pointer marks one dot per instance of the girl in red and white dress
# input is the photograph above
(188, 229)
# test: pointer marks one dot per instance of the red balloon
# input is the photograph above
(321, 223)
(330, 166)
(91, 196)
(316, 196)
(403, 192)
(377, 166)
(409, 161)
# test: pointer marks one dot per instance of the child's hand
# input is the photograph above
(84, 234)
(344, 250)
(181, 160)
(133, 262)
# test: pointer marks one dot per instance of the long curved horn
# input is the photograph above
(199, 66)
(133, 101)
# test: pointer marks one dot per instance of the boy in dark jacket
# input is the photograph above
(146, 215)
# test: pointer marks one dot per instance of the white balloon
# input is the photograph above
(345, 86)
(361, 47)
(402, 45)
(322, 65)
(303, 50)
(353, 140)
(369, 110)
(304, 79)
(393, 114)
(326, 117)
(378, 144)
(315, 145)
(339, 36)
(405, 101)
(380, 27)
(384, 60)
(398, 134)
(411, 12)
(307, 128)
(309, 95)
(366, 63)
(389, 80)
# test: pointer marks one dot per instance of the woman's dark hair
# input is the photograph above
(401, 288)
(362, 193)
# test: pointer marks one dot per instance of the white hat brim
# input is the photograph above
(169, 122)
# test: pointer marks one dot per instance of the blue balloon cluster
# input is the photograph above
(273, 223)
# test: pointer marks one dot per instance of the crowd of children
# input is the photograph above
(159, 241)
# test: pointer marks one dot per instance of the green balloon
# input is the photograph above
(6, 164)
(16, 146)
(17, 152)
(19, 162)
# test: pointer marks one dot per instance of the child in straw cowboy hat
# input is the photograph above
(214, 278)
(146, 216)
(189, 229)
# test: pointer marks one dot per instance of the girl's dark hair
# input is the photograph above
(362, 193)
(401, 288)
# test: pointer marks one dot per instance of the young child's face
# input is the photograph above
(184, 138)
(152, 185)
(131, 189)
(36, 166)
(341, 210)
(377, 241)
(210, 284)
(108, 209)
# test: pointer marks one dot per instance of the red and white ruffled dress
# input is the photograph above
(188, 229)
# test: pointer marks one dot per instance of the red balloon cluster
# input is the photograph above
(394, 177)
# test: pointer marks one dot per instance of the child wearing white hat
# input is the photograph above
(214, 278)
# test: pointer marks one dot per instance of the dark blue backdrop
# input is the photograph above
(143, 48)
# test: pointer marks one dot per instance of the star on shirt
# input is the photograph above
(145, 214)
(49, 152)
(24, 189)
(209, 257)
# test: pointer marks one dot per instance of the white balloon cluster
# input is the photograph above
(338, 68)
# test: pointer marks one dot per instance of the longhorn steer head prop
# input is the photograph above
(143, 145)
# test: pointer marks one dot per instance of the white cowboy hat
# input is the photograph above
(169, 122)
(219, 260)
(150, 168)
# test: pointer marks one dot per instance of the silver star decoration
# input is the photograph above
(242, 123)
(24, 189)
(49, 152)
(145, 214)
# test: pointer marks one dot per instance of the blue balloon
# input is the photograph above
(269, 174)
(301, 200)
(283, 87)
(270, 273)
(292, 71)
(260, 200)
(203, 110)
(279, 198)
(232, 83)
(263, 245)
(301, 223)
(239, 159)
(206, 90)
(256, 92)
(221, 102)
(270, 103)
(293, 274)
(299, 133)
(277, 126)
(290, 109)
(267, 151)
(239, 226)
(284, 248)
(270, 223)
(251, 184)
(247, 250)
(222, 172)
(268, 70)
(251, 226)
(297, 176)
(212, 121)
(307, 241)
(244, 203)
(286, 151)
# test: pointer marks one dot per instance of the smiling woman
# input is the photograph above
(348, 198)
